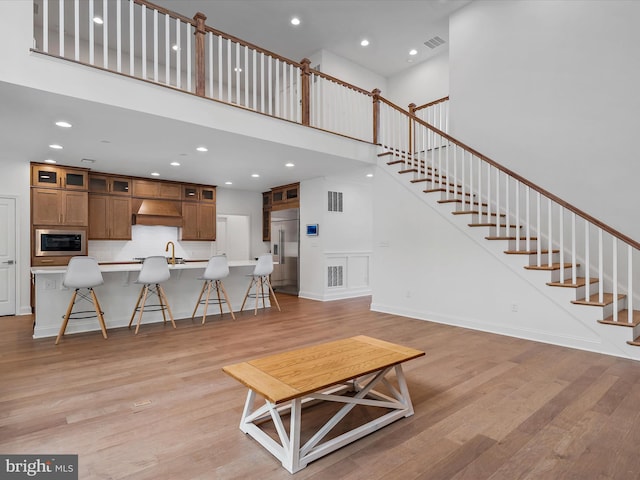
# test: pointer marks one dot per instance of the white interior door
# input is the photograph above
(7, 256)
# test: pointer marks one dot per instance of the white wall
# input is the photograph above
(550, 90)
(241, 202)
(14, 183)
(347, 71)
(423, 83)
(428, 264)
(344, 237)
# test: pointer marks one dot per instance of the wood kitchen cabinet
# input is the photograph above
(198, 221)
(285, 196)
(48, 176)
(199, 193)
(156, 189)
(109, 217)
(109, 184)
(278, 198)
(59, 207)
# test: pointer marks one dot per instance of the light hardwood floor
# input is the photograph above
(486, 406)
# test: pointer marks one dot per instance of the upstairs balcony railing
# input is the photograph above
(142, 40)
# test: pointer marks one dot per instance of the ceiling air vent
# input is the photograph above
(434, 42)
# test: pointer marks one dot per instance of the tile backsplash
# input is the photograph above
(147, 241)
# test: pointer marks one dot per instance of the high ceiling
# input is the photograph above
(112, 136)
(392, 27)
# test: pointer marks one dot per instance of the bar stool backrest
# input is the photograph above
(217, 268)
(264, 266)
(82, 272)
(154, 270)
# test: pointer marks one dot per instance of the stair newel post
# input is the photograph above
(200, 33)
(376, 115)
(412, 111)
(305, 77)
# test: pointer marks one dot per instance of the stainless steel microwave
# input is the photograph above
(55, 242)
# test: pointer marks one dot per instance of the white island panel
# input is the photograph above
(119, 293)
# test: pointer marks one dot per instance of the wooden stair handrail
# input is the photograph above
(549, 195)
(340, 82)
(430, 104)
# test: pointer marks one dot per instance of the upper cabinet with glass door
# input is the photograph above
(109, 184)
(49, 176)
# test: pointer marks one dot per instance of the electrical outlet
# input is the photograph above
(514, 307)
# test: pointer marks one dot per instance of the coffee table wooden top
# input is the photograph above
(288, 375)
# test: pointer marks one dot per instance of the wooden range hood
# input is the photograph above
(157, 212)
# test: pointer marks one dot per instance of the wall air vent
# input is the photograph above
(335, 202)
(334, 276)
(434, 42)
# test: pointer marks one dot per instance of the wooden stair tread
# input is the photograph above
(491, 225)
(607, 299)
(409, 170)
(623, 321)
(395, 162)
(528, 252)
(510, 238)
(475, 212)
(553, 266)
(580, 282)
(385, 154)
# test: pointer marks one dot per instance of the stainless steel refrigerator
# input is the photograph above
(285, 247)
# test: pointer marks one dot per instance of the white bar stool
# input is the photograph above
(82, 273)
(259, 278)
(217, 269)
(155, 270)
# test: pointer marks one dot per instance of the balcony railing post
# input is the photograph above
(200, 33)
(305, 76)
(412, 111)
(376, 114)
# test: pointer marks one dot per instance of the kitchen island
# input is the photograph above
(119, 293)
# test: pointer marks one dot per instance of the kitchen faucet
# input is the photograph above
(173, 252)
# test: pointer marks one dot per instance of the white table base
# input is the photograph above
(295, 457)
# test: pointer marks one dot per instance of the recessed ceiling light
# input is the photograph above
(49, 160)
(295, 21)
(289, 164)
(228, 183)
(175, 164)
(97, 20)
(202, 149)
(255, 175)
(55, 146)
(364, 42)
(155, 174)
(175, 48)
(63, 124)
(369, 175)
(413, 52)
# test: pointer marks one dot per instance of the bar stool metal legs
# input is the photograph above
(163, 304)
(260, 276)
(154, 271)
(210, 285)
(83, 273)
(70, 313)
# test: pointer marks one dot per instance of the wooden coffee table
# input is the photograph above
(344, 371)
